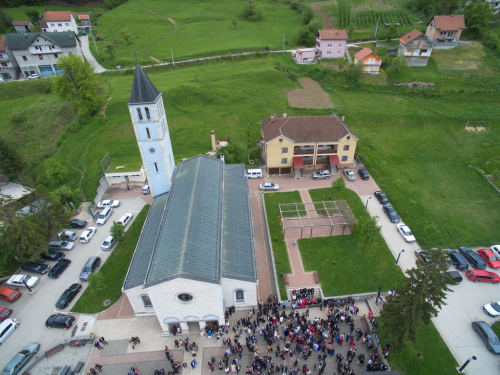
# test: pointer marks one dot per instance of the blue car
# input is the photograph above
(59, 268)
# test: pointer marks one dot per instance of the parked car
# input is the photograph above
(349, 174)
(61, 245)
(53, 255)
(60, 321)
(145, 190)
(87, 234)
(391, 213)
(91, 266)
(59, 268)
(8, 294)
(22, 281)
(482, 275)
(496, 250)
(492, 309)
(21, 359)
(7, 327)
(453, 277)
(108, 203)
(125, 219)
(487, 334)
(473, 258)
(75, 223)
(405, 232)
(104, 215)
(68, 235)
(489, 258)
(457, 260)
(68, 295)
(33, 76)
(321, 174)
(108, 243)
(35, 267)
(4, 313)
(269, 186)
(363, 173)
(382, 198)
(423, 254)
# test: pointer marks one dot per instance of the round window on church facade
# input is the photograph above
(185, 297)
(152, 150)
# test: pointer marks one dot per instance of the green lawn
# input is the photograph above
(356, 270)
(273, 200)
(204, 28)
(114, 270)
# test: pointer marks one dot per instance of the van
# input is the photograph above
(6, 328)
(91, 266)
(146, 190)
(61, 245)
(254, 173)
(104, 216)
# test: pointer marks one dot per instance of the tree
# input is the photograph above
(65, 194)
(430, 230)
(306, 37)
(117, 231)
(11, 162)
(97, 281)
(308, 16)
(392, 32)
(33, 15)
(235, 22)
(77, 83)
(55, 172)
(369, 231)
(477, 13)
(253, 11)
(338, 185)
(398, 64)
(356, 71)
(351, 28)
(110, 48)
(417, 300)
(5, 21)
(125, 35)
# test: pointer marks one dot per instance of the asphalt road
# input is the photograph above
(33, 310)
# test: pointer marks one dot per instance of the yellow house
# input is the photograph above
(369, 61)
(297, 145)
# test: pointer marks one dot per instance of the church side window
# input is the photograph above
(240, 295)
(139, 113)
(148, 133)
(146, 301)
(156, 167)
(148, 115)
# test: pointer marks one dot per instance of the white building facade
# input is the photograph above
(59, 21)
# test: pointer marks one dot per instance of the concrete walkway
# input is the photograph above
(88, 56)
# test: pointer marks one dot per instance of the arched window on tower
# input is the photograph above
(139, 113)
(148, 133)
(148, 115)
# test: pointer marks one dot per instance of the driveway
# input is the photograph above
(33, 310)
(88, 56)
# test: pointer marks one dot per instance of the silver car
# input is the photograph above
(21, 359)
(269, 186)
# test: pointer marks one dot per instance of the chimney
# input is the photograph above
(343, 118)
(214, 147)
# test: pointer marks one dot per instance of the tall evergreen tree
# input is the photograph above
(11, 162)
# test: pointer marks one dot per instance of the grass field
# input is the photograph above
(203, 28)
(114, 270)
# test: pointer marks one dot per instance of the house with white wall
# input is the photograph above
(416, 48)
(59, 21)
(8, 64)
(22, 26)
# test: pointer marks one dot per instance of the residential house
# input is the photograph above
(369, 61)
(11, 189)
(494, 5)
(84, 20)
(39, 52)
(305, 55)
(59, 21)
(294, 145)
(445, 31)
(416, 48)
(22, 26)
(331, 43)
(9, 69)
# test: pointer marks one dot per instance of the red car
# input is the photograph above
(4, 313)
(8, 294)
(489, 258)
(483, 275)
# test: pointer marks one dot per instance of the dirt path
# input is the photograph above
(311, 96)
(317, 8)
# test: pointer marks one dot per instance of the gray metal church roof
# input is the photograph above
(143, 90)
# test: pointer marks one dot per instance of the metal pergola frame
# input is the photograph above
(313, 215)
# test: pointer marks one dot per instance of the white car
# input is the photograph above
(6, 328)
(108, 243)
(87, 234)
(125, 219)
(33, 76)
(22, 280)
(269, 186)
(492, 309)
(496, 250)
(108, 203)
(349, 174)
(321, 174)
(405, 232)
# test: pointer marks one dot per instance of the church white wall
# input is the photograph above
(134, 296)
(229, 287)
(115, 178)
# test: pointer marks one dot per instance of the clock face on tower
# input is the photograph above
(152, 150)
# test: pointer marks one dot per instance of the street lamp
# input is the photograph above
(366, 205)
(397, 260)
(466, 363)
(283, 43)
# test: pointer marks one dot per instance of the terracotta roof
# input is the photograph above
(410, 36)
(21, 23)
(455, 22)
(364, 53)
(333, 34)
(3, 42)
(83, 17)
(43, 24)
(306, 129)
(57, 16)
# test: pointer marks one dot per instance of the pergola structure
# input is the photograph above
(317, 219)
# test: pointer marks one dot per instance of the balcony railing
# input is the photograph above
(303, 152)
(330, 151)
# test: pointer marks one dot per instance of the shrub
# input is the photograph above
(253, 12)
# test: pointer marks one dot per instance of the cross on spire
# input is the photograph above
(135, 53)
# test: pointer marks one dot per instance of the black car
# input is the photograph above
(52, 255)
(391, 213)
(35, 267)
(75, 223)
(382, 198)
(423, 254)
(59, 268)
(60, 321)
(68, 296)
(453, 277)
(473, 258)
(457, 260)
(363, 173)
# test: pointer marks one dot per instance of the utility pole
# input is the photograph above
(376, 29)
(283, 43)
(94, 41)
(172, 52)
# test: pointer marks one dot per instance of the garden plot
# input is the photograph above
(311, 96)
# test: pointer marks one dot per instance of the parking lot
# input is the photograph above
(33, 310)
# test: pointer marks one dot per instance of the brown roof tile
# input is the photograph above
(333, 34)
(449, 23)
(410, 36)
(306, 129)
(3, 43)
(21, 23)
(83, 17)
(43, 24)
(64, 15)
(364, 53)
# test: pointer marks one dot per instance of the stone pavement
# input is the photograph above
(69, 356)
